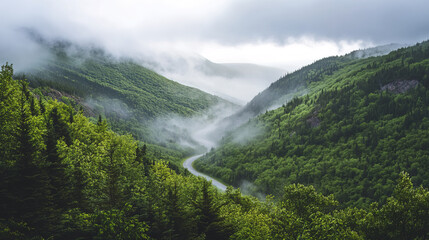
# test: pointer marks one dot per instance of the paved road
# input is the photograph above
(188, 165)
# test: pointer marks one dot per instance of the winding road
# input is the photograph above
(188, 165)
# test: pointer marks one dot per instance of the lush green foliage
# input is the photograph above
(348, 137)
(119, 89)
(64, 177)
(144, 91)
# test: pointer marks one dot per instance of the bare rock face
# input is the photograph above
(57, 95)
(400, 86)
(313, 120)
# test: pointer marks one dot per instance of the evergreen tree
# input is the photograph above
(101, 125)
(9, 103)
(209, 221)
(57, 129)
(114, 196)
(30, 189)
(42, 105)
(79, 185)
(9, 95)
(176, 217)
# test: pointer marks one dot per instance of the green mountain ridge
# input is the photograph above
(128, 94)
(65, 177)
(296, 83)
(354, 134)
(346, 130)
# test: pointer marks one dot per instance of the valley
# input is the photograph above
(347, 123)
(187, 164)
(331, 154)
(214, 120)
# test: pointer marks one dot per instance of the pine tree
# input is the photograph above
(57, 130)
(30, 190)
(42, 105)
(9, 95)
(8, 133)
(176, 217)
(101, 125)
(209, 222)
(71, 115)
(113, 175)
(79, 189)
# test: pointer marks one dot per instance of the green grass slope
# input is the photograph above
(362, 122)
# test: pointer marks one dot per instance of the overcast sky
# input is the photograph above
(270, 32)
(280, 33)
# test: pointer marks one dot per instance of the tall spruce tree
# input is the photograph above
(30, 190)
(57, 129)
(209, 221)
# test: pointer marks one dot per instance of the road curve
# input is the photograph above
(188, 165)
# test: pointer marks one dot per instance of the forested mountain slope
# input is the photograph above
(362, 122)
(120, 89)
(63, 177)
(298, 82)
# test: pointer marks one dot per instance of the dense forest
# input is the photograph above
(64, 177)
(362, 122)
(298, 83)
(129, 95)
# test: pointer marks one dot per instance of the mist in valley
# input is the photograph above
(290, 102)
(201, 132)
(235, 82)
(229, 49)
(109, 107)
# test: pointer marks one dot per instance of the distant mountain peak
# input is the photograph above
(376, 51)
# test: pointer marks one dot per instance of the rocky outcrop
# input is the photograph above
(400, 86)
(313, 120)
(57, 95)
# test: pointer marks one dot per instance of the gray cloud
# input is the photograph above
(264, 32)
(378, 21)
(133, 26)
